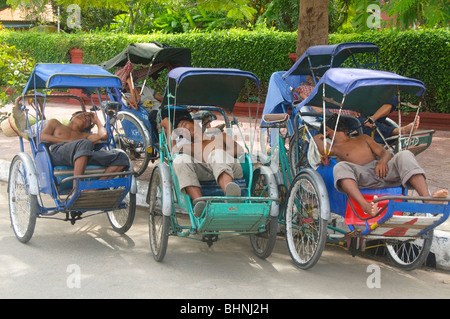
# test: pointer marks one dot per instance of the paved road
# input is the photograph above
(89, 260)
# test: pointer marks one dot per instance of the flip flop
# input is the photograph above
(199, 208)
(232, 190)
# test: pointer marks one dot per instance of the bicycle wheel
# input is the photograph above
(306, 230)
(23, 206)
(131, 136)
(121, 219)
(264, 242)
(410, 254)
(298, 152)
(159, 224)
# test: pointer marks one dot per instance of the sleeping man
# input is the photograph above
(365, 164)
(197, 158)
(73, 146)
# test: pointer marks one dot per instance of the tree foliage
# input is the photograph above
(15, 69)
(407, 13)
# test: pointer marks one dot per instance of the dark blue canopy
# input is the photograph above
(206, 86)
(74, 76)
(328, 56)
(364, 90)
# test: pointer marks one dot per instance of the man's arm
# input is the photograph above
(231, 146)
(384, 156)
(101, 134)
(383, 111)
(318, 139)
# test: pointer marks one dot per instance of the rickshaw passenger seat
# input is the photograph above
(354, 210)
(61, 172)
(339, 202)
(211, 188)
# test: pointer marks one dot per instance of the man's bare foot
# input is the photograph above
(442, 193)
(407, 128)
(374, 207)
(371, 208)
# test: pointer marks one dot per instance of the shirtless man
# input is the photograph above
(73, 146)
(363, 163)
(201, 159)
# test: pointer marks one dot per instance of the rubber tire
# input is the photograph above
(158, 223)
(320, 225)
(263, 243)
(122, 144)
(123, 227)
(23, 227)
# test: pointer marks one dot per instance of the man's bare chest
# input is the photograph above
(354, 151)
(67, 133)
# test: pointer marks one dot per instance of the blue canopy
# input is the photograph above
(206, 86)
(181, 73)
(279, 97)
(364, 90)
(74, 76)
(328, 56)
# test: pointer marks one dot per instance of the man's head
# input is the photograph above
(331, 125)
(83, 120)
(191, 129)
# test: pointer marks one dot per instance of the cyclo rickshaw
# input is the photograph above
(282, 96)
(134, 129)
(36, 187)
(215, 90)
(405, 222)
(315, 62)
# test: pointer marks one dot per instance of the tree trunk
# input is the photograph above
(312, 24)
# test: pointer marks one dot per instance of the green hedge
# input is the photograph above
(421, 54)
(259, 52)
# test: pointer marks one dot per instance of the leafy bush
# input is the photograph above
(419, 54)
(422, 54)
(15, 69)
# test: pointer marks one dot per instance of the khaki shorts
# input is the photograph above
(401, 167)
(190, 171)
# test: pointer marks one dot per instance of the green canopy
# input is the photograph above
(150, 53)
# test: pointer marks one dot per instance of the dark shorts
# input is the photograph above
(67, 152)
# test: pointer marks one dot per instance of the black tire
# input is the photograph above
(264, 242)
(129, 135)
(306, 230)
(298, 152)
(409, 255)
(122, 219)
(23, 206)
(159, 224)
